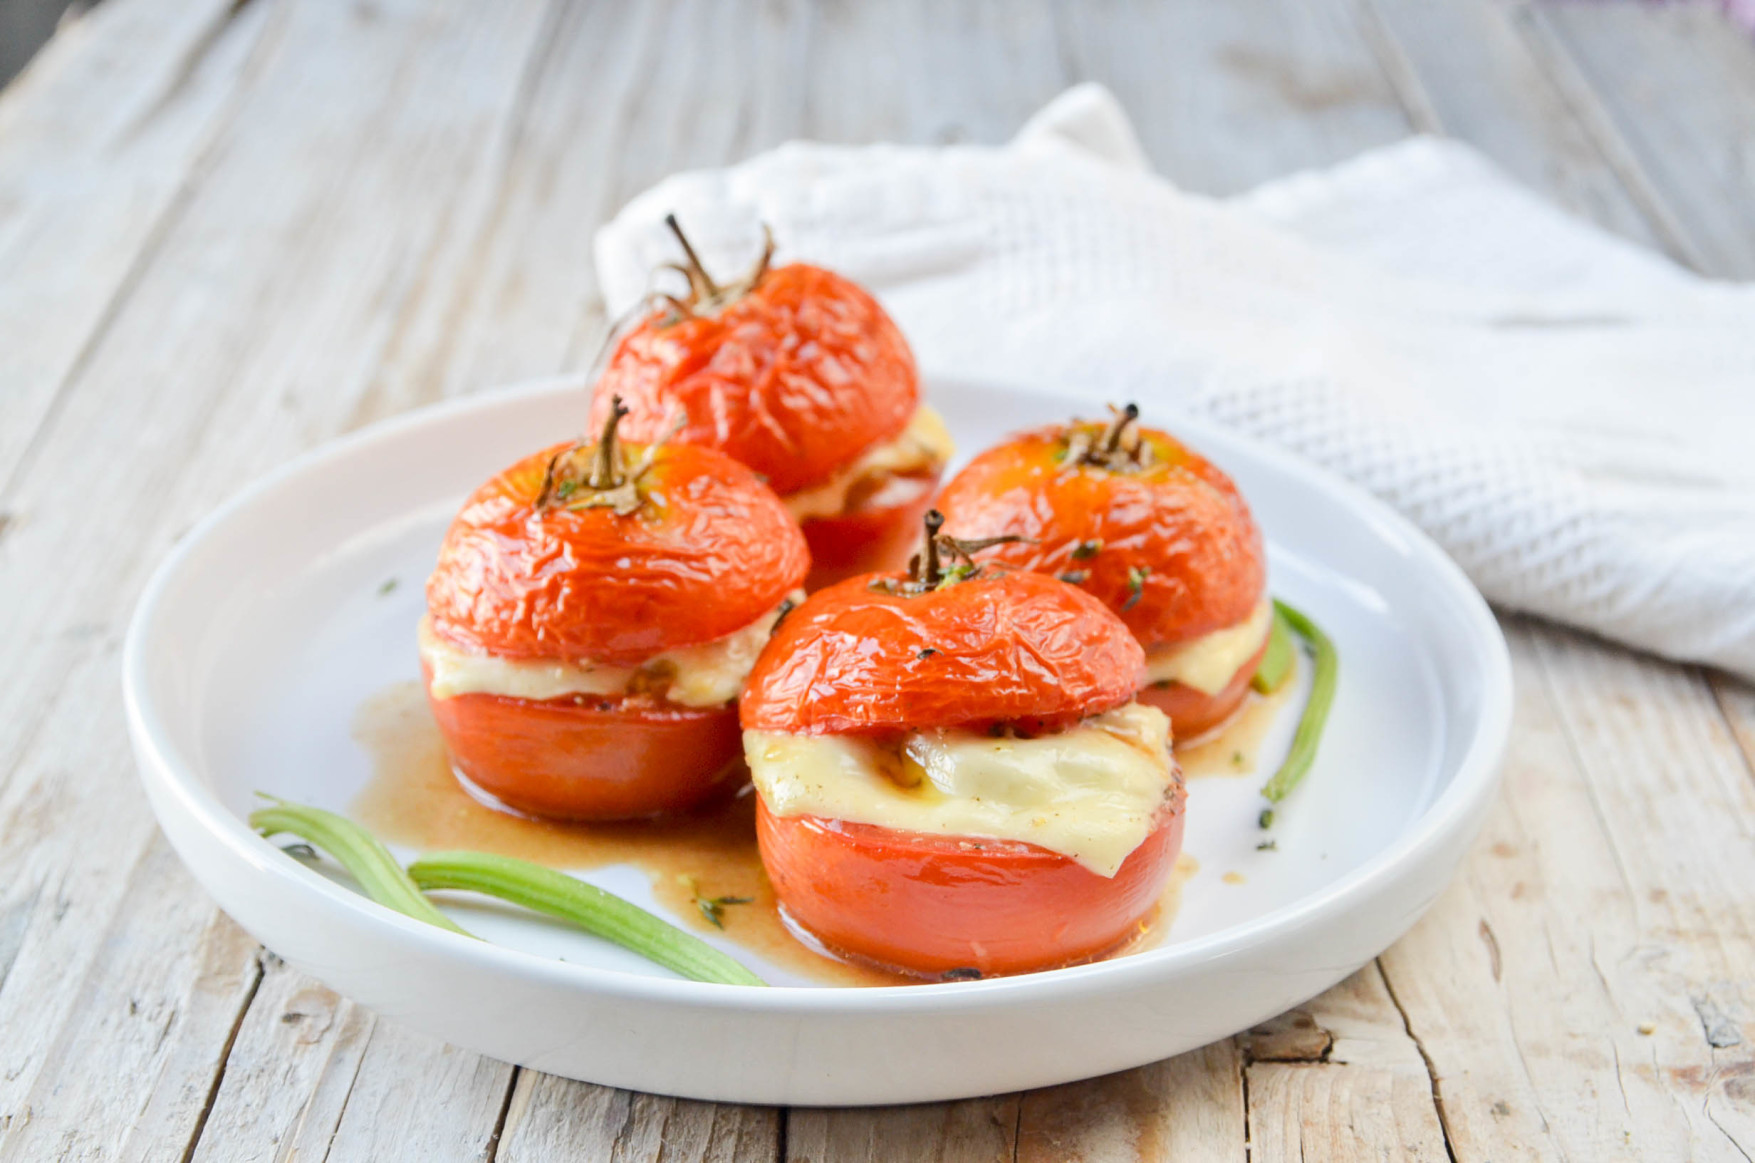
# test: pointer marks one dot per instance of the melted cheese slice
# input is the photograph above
(921, 448)
(1092, 793)
(707, 675)
(1209, 662)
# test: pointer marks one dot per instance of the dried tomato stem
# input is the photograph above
(606, 461)
(930, 572)
(1118, 427)
(696, 269)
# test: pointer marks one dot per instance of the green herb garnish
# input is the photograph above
(1085, 550)
(518, 881)
(712, 908)
(1136, 585)
(358, 851)
(1315, 716)
(585, 905)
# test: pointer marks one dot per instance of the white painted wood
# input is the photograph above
(1228, 95)
(1558, 988)
(974, 1131)
(553, 1118)
(99, 140)
(1675, 84)
(1467, 69)
(248, 338)
(226, 234)
(1187, 1107)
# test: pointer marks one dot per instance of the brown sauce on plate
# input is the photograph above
(1231, 748)
(414, 800)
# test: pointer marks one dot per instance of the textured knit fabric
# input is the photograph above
(1570, 417)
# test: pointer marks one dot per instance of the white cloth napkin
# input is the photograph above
(1571, 417)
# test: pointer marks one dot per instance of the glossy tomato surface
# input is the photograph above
(596, 759)
(710, 550)
(1193, 712)
(877, 533)
(999, 648)
(934, 904)
(795, 379)
(1171, 547)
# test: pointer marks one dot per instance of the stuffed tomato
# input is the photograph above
(592, 618)
(1149, 527)
(801, 375)
(953, 777)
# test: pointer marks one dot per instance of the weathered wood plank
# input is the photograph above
(313, 1076)
(1558, 986)
(554, 1118)
(1340, 1078)
(98, 142)
(972, 1131)
(127, 1075)
(1228, 95)
(1671, 87)
(1466, 68)
(1187, 1107)
(1737, 700)
(264, 310)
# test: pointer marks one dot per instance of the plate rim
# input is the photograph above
(1469, 789)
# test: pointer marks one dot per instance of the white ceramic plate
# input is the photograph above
(260, 637)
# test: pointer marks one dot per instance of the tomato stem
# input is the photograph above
(606, 462)
(696, 268)
(707, 297)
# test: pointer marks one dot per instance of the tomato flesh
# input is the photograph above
(932, 905)
(1194, 712)
(601, 759)
(875, 535)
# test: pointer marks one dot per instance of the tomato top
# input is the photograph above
(796, 376)
(865, 655)
(689, 546)
(1149, 526)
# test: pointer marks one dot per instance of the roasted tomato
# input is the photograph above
(1151, 528)
(799, 374)
(953, 778)
(590, 622)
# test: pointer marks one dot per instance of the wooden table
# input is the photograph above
(231, 230)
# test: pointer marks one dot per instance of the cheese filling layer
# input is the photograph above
(708, 675)
(1092, 793)
(922, 447)
(1211, 661)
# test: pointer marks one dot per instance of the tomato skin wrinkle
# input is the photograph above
(710, 551)
(1005, 647)
(796, 379)
(1171, 547)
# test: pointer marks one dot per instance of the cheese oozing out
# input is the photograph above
(922, 447)
(1211, 661)
(708, 675)
(1092, 793)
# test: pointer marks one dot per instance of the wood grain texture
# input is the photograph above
(981, 1130)
(1673, 85)
(1228, 95)
(229, 231)
(246, 339)
(1187, 1107)
(99, 143)
(1467, 69)
(556, 1118)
